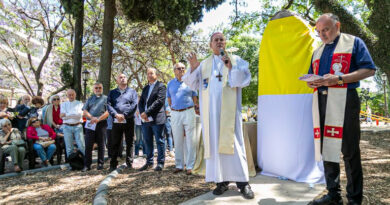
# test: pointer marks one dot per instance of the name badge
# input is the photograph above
(205, 83)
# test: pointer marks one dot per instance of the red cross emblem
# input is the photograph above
(317, 133)
(334, 132)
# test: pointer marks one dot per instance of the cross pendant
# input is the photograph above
(219, 76)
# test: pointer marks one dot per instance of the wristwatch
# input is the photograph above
(340, 81)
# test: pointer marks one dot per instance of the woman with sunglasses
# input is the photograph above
(43, 137)
(51, 117)
(12, 143)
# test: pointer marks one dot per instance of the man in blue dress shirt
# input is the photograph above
(181, 100)
(360, 67)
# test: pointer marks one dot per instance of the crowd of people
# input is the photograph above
(45, 130)
(343, 60)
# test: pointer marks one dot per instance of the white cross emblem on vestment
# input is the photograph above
(317, 134)
(332, 132)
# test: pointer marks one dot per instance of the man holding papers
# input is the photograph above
(95, 110)
(121, 104)
(152, 109)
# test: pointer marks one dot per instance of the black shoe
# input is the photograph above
(145, 167)
(221, 188)
(247, 192)
(129, 164)
(328, 200)
(112, 168)
(85, 169)
(99, 167)
(353, 202)
(159, 167)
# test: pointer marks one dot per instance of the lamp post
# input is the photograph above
(384, 78)
(366, 95)
(85, 74)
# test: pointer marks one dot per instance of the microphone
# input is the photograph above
(223, 54)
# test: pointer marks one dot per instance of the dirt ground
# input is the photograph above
(149, 187)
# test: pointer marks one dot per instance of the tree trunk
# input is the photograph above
(107, 45)
(77, 52)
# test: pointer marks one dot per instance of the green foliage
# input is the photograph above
(248, 49)
(72, 6)
(173, 14)
(66, 74)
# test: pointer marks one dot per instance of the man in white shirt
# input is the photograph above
(71, 114)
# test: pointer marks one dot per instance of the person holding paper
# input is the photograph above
(95, 110)
(343, 60)
(153, 116)
(71, 113)
(121, 104)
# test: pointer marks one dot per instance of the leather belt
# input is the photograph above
(72, 125)
(323, 92)
(181, 110)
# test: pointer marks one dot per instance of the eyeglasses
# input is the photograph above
(180, 68)
(54, 99)
(98, 88)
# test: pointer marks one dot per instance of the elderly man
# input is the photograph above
(343, 60)
(220, 79)
(95, 110)
(71, 113)
(122, 104)
(152, 109)
(181, 100)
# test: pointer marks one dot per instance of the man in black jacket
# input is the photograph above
(151, 107)
(23, 110)
(121, 105)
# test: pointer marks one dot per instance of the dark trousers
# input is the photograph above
(240, 185)
(60, 144)
(350, 149)
(92, 136)
(108, 142)
(149, 130)
(118, 129)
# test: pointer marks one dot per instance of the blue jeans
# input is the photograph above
(148, 130)
(41, 151)
(168, 133)
(77, 132)
(139, 140)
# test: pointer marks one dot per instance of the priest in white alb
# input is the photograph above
(220, 79)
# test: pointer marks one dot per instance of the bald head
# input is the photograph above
(328, 27)
(71, 94)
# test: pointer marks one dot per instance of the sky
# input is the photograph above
(221, 15)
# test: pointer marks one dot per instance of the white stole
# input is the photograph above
(336, 101)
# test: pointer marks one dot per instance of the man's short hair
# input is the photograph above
(178, 64)
(332, 16)
(98, 83)
(153, 69)
(70, 90)
(215, 33)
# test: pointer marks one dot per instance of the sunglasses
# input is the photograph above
(56, 99)
(98, 88)
(180, 68)
(34, 121)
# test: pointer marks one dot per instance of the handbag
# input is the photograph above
(18, 142)
(45, 143)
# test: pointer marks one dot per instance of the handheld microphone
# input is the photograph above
(223, 54)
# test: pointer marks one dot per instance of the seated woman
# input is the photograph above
(12, 143)
(5, 111)
(43, 137)
(51, 117)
